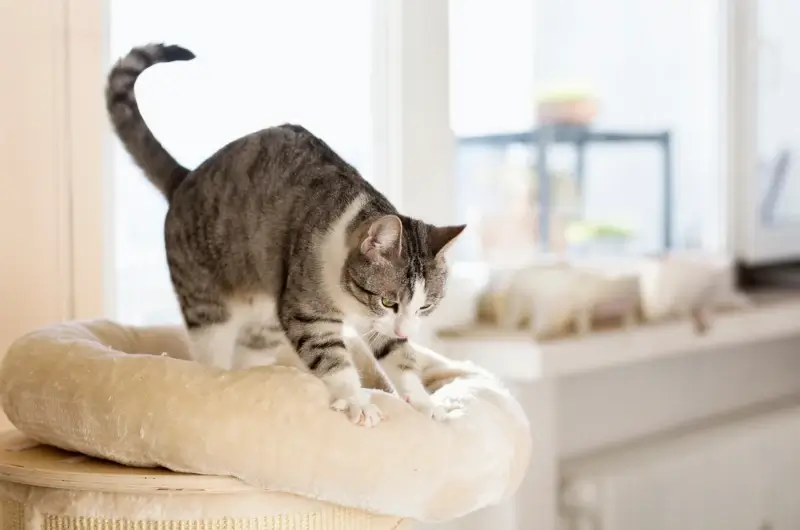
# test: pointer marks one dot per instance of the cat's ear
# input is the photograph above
(383, 238)
(442, 238)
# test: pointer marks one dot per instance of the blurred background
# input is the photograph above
(652, 97)
(573, 129)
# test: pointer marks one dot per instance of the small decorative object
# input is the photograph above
(555, 297)
(613, 292)
(545, 299)
(688, 285)
(567, 106)
(492, 299)
(551, 299)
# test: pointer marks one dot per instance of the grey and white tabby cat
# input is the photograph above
(276, 238)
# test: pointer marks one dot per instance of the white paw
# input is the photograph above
(426, 407)
(359, 411)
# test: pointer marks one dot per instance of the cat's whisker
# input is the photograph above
(371, 337)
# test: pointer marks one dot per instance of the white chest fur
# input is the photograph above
(332, 250)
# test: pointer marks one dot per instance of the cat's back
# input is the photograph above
(258, 202)
(270, 162)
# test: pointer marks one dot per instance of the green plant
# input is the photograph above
(583, 231)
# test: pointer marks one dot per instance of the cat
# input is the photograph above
(276, 242)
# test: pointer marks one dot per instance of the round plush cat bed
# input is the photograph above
(129, 395)
(44, 488)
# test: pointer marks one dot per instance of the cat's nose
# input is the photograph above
(400, 334)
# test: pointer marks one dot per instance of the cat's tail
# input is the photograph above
(159, 166)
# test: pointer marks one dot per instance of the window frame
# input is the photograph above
(414, 162)
(87, 160)
(751, 241)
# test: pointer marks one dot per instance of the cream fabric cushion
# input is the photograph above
(128, 395)
(43, 488)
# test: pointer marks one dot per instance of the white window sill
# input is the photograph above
(516, 356)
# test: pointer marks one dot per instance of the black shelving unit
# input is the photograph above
(541, 138)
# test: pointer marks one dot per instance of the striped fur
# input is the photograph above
(158, 165)
(275, 242)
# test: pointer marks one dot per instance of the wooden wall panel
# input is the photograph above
(35, 284)
(88, 133)
(52, 134)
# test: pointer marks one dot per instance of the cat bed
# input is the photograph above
(129, 395)
(43, 488)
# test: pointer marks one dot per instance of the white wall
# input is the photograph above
(617, 404)
(655, 65)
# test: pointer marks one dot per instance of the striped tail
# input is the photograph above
(158, 165)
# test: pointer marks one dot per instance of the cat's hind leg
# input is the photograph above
(261, 340)
(212, 332)
(206, 312)
(260, 344)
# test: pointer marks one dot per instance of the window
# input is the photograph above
(491, 87)
(459, 91)
(258, 64)
(645, 173)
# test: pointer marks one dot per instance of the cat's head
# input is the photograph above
(396, 271)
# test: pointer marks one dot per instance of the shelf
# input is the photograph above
(579, 136)
(565, 134)
(516, 356)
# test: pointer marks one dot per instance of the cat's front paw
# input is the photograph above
(360, 411)
(427, 407)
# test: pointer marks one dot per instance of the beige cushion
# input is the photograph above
(82, 387)
(44, 488)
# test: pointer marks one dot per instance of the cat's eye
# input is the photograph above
(385, 302)
(425, 307)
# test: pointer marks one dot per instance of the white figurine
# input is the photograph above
(688, 285)
(552, 298)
